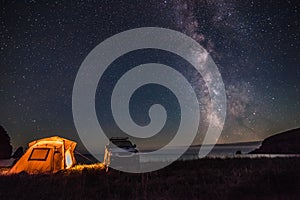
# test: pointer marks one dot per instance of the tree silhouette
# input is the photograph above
(5, 147)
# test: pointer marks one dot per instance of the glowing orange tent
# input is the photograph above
(47, 155)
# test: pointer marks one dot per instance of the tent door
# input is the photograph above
(57, 160)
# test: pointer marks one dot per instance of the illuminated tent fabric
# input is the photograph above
(46, 155)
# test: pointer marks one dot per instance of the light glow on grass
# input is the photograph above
(79, 168)
(4, 171)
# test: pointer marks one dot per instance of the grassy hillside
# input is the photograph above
(243, 178)
(282, 143)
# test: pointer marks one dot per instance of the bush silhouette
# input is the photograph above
(18, 153)
(5, 147)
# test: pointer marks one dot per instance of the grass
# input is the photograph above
(235, 178)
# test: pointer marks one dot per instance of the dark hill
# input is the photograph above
(283, 143)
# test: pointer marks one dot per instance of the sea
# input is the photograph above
(192, 153)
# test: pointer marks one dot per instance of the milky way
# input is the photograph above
(255, 45)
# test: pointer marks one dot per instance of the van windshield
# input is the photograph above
(122, 144)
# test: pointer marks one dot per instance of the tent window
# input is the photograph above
(39, 154)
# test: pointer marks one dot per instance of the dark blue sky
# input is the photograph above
(255, 45)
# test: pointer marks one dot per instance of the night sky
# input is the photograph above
(255, 44)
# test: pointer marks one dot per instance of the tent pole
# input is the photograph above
(63, 152)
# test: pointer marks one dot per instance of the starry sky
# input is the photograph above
(255, 45)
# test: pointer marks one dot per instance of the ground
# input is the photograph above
(235, 178)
